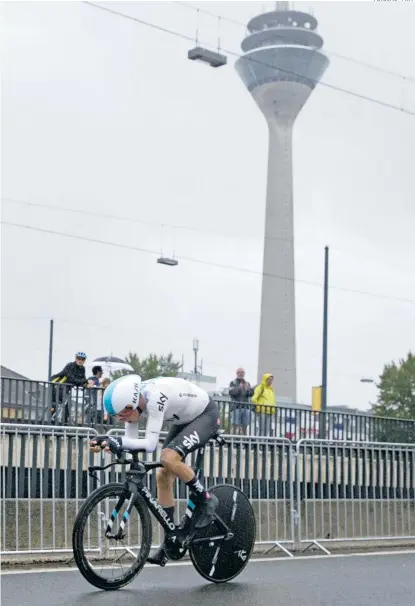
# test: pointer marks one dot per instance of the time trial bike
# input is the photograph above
(119, 512)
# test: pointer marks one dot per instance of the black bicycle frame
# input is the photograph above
(156, 509)
(134, 483)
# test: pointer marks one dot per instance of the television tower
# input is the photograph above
(281, 65)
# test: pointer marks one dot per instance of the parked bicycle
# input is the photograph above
(219, 552)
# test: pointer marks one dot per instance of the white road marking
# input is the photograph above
(252, 561)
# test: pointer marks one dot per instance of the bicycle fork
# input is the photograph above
(120, 534)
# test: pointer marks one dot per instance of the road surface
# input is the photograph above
(364, 580)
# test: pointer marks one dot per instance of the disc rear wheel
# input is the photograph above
(221, 561)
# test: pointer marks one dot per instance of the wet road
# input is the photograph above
(370, 580)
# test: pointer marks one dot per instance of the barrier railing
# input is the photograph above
(295, 423)
(45, 479)
(318, 492)
(354, 492)
(43, 483)
(44, 403)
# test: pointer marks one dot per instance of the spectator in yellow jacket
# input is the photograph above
(264, 394)
(264, 398)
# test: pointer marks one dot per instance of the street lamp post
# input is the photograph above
(195, 349)
(50, 360)
(325, 339)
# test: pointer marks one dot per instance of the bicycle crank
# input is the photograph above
(174, 547)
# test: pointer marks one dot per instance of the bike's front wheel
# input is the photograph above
(111, 563)
(220, 561)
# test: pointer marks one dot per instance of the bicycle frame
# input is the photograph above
(134, 484)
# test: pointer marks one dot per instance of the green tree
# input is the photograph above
(396, 399)
(150, 367)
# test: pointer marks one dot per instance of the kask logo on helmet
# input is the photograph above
(136, 395)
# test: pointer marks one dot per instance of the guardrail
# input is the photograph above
(45, 403)
(59, 404)
(42, 485)
(354, 492)
(45, 479)
(315, 493)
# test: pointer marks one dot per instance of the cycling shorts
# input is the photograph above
(184, 439)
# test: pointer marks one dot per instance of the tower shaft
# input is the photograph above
(277, 351)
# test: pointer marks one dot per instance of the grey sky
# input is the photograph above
(103, 114)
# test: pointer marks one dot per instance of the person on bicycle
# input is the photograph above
(195, 419)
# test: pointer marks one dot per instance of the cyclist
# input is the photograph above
(195, 419)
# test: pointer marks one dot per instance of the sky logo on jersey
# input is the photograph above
(161, 401)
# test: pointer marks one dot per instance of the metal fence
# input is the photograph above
(353, 492)
(315, 492)
(45, 479)
(295, 423)
(44, 403)
(59, 404)
(43, 482)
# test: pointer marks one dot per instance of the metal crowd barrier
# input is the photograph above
(43, 403)
(46, 403)
(45, 479)
(350, 492)
(296, 423)
(315, 493)
(43, 483)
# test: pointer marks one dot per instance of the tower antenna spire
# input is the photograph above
(282, 5)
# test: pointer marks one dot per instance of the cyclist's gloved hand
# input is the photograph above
(110, 443)
(98, 444)
(114, 444)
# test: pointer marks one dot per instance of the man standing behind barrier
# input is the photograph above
(73, 375)
(240, 392)
(264, 397)
(95, 396)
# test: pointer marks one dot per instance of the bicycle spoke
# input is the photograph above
(129, 551)
(111, 559)
(214, 560)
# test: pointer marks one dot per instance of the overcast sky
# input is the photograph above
(103, 115)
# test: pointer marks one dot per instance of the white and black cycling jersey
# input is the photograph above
(170, 399)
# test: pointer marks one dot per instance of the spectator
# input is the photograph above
(74, 375)
(95, 412)
(104, 384)
(97, 373)
(264, 398)
(240, 392)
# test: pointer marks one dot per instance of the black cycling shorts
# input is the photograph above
(187, 438)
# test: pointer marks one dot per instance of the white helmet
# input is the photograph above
(121, 393)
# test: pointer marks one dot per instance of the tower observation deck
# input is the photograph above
(281, 65)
